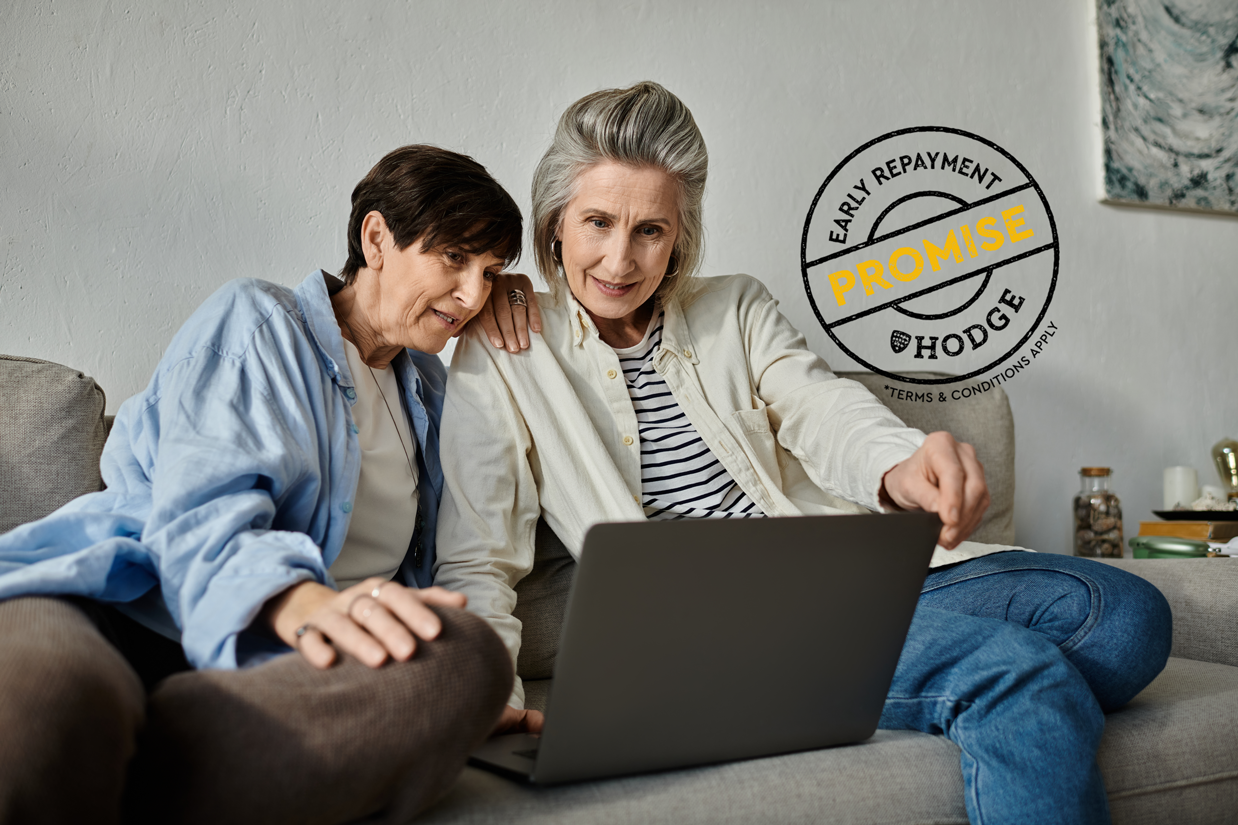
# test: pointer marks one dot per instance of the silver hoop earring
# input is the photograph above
(672, 267)
(556, 251)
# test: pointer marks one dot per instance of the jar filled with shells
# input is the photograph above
(1098, 515)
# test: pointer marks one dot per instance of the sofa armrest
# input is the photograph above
(51, 434)
(1203, 595)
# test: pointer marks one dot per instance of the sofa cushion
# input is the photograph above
(1167, 757)
(51, 435)
(894, 777)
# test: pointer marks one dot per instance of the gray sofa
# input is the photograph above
(1171, 756)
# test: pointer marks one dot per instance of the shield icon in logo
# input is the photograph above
(899, 340)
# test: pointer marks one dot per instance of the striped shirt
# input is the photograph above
(680, 477)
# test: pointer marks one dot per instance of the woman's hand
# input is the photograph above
(941, 477)
(371, 621)
(515, 720)
(505, 323)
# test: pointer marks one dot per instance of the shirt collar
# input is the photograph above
(582, 325)
(314, 300)
(676, 337)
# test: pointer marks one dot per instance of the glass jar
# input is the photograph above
(1098, 515)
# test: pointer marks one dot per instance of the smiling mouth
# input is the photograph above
(450, 320)
(611, 289)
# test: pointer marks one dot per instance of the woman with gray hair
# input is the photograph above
(652, 393)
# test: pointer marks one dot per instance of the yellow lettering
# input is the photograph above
(840, 282)
(971, 246)
(1013, 224)
(898, 273)
(995, 238)
(936, 253)
(870, 273)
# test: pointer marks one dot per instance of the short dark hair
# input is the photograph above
(437, 195)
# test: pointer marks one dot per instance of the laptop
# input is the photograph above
(696, 642)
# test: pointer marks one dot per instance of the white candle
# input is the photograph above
(1181, 486)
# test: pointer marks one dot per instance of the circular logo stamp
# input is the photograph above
(930, 250)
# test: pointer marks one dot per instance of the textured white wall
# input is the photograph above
(150, 155)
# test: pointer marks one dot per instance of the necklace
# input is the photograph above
(353, 340)
(383, 395)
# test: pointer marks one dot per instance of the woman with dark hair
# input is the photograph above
(275, 487)
(652, 393)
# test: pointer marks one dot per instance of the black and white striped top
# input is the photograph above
(680, 477)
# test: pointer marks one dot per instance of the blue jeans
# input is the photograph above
(1015, 657)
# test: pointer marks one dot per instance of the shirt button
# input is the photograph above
(346, 507)
(687, 353)
(636, 499)
(355, 429)
(611, 373)
(350, 393)
(627, 439)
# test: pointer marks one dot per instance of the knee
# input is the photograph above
(59, 675)
(1147, 631)
(481, 661)
(1147, 610)
(69, 715)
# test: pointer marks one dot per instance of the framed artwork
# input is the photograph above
(1169, 102)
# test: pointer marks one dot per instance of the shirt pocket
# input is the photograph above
(759, 437)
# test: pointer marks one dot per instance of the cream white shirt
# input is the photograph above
(385, 506)
(551, 432)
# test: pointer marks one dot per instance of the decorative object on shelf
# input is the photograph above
(1169, 103)
(1225, 454)
(1098, 515)
(1221, 530)
(1165, 547)
(1181, 485)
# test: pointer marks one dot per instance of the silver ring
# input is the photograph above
(517, 298)
(374, 593)
(301, 631)
(353, 603)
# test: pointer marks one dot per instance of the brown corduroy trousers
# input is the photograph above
(81, 737)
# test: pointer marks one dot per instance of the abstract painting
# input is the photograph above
(1169, 102)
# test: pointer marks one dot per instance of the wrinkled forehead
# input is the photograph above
(644, 193)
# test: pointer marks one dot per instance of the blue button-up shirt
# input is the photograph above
(231, 476)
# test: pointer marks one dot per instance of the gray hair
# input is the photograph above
(643, 125)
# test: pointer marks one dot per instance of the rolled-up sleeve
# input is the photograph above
(230, 451)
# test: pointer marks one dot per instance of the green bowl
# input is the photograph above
(1167, 547)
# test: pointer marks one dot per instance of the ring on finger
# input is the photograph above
(376, 591)
(301, 631)
(517, 298)
(353, 603)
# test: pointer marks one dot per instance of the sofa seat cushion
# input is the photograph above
(51, 434)
(1168, 756)
(895, 777)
